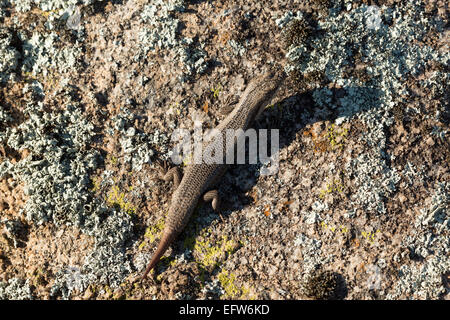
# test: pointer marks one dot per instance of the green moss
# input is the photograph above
(322, 3)
(38, 277)
(398, 112)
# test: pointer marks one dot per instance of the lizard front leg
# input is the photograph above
(166, 174)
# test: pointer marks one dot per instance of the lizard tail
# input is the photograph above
(162, 247)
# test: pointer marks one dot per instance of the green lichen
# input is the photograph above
(333, 186)
(331, 139)
(117, 198)
(216, 91)
(95, 185)
(335, 136)
(211, 254)
(232, 290)
(153, 232)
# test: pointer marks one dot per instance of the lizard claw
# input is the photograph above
(161, 168)
(166, 173)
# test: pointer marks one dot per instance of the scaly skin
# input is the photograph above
(200, 178)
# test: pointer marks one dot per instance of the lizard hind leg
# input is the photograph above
(213, 196)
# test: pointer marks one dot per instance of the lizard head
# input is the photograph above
(266, 86)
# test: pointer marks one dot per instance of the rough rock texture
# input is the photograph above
(91, 92)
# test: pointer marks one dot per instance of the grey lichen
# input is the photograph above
(431, 244)
(373, 190)
(311, 251)
(14, 231)
(9, 56)
(44, 55)
(162, 33)
(389, 51)
(15, 289)
(5, 117)
(193, 58)
(23, 6)
(136, 145)
(237, 48)
(389, 55)
(287, 18)
(56, 174)
(108, 263)
(49, 5)
(162, 26)
(213, 289)
(56, 177)
(370, 53)
(4, 4)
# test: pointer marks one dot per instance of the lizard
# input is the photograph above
(200, 178)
